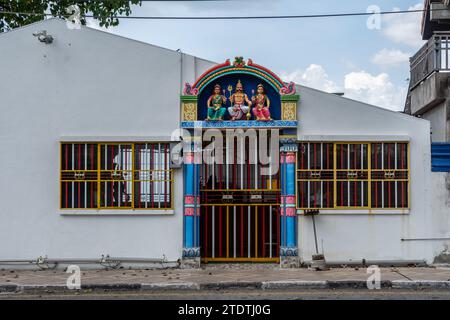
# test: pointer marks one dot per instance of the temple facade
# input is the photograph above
(113, 147)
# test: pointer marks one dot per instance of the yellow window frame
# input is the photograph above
(369, 179)
(79, 173)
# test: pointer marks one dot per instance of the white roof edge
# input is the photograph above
(396, 113)
(29, 25)
(103, 32)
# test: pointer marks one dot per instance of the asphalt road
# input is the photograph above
(244, 295)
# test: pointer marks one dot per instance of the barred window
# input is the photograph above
(389, 174)
(116, 176)
(353, 175)
(316, 175)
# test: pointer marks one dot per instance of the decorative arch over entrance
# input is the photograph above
(281, 97)
(232, 211)
(238, 67)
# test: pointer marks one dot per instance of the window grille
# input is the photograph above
(116, 176)
(353, 175)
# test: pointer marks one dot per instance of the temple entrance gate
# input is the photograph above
(239, 207)
(234, 210)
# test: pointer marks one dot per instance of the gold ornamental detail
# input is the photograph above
(189, 111)
(289, 111)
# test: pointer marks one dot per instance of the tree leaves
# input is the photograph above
(29, 11)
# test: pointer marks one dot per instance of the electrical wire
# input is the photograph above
(331, 15)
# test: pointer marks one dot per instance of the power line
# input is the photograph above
(331, 15)
(157, 0)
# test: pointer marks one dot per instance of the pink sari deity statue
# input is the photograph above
(261, 105)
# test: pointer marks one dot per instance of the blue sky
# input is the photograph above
(331, 54)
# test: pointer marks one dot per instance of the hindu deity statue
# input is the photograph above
(262, 105)
(238, 109)
(215, 103)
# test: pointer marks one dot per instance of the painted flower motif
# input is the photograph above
(289, 89)
(189, 91)
(239, 62)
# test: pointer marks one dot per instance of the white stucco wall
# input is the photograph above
(441, 212)
(371, 236)
(91, 84)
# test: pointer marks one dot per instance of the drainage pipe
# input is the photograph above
(381, 263)
(423, 239)
(103, 260)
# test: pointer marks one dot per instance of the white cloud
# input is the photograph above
(404, 28)
(377, 90)
(390, 58)
(314, 76)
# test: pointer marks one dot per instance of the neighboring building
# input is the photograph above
(88, 123)
(428, 95)
(429, 98)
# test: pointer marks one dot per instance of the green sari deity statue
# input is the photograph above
(216, 110)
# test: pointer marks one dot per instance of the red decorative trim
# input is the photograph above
(190, 199)
(189, 158)
(225, 64)
(288, 212)
(287, 200)
(290, 157)
(190, 211)
(274, 78)
(287, 157)
(250, 63)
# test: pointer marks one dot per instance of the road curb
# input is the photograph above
(84, 287)
(228, 285)
(112, 286)
(354, 284)
(8, 288)
(170, 286)
(420, 284)
(41, 288)
(231, 285)
(295, 284)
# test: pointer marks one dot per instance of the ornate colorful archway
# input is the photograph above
(238, 67)
(239, 95)
(283, 97)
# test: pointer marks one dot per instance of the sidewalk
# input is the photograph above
(217, 277)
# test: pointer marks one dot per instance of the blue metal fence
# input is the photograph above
(440, 157)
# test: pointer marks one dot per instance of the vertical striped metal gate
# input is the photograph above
(240, 212)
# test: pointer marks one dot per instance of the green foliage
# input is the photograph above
(105, 11)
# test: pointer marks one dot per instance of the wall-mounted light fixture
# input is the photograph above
(43, 37)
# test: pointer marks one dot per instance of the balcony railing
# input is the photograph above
(432, 57)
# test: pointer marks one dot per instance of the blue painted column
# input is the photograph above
(288, 206)
(191, 239)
